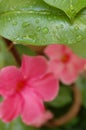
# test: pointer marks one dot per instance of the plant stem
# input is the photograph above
(13, 50)
(73, 111)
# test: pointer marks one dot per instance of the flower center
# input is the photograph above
(65, 58)
(20, 85)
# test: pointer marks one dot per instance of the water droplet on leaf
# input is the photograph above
(45, 30)
(29, 38)
(9, 19)
(38, 29)
(76, 28)
(72, 10)
(25, 24)
(14, 22)
(79, 38)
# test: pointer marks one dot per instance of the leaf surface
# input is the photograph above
(70, 7)
(35, 22)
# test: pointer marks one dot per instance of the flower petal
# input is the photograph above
(56, 51)
(55, 67)
(33, 66)
(9, 77)
(47, 115)
(47, 87)
(69, 74)
(32, 108)
(11, 108)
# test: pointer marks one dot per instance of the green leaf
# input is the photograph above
(6, 59)
(24, 50)
(34, 22)
(2, 45)
(63, 98)
(70, 7)
(81, 83)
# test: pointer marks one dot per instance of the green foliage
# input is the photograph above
(78, 123)
(6, 58)
(43, 22)
(35, 22)
(2, 45)
(70, 7)
(15, 125)
(24, 50)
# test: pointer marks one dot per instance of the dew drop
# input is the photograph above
(29, 37)
(76, 28)
(25, 24)
(38, 29)
(72, 10)
(45, 30)
(79, 38)
(71, 41)
(71, 7)
(14, 22)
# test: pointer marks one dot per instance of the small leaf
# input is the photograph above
(24, 50)
(6, 59)
(70, 7)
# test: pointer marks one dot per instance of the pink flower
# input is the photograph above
(64, 63)
(25, 89)
(42, 119)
